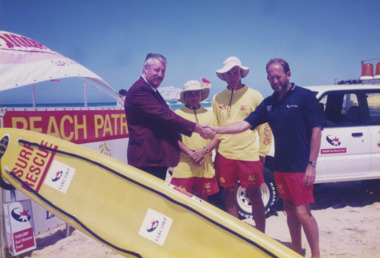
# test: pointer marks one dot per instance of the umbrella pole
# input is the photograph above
(34, 96)
(85, 93)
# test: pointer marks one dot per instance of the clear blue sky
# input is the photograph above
(322, 40)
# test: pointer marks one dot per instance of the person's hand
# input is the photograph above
(198, 156)
(209, 126)
(198, 161)
(207, 132)
(204, 131)
(309, 177)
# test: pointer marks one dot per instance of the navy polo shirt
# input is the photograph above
(291, 121)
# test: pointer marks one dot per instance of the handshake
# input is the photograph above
(207, 131)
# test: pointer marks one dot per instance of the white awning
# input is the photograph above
(24, 61)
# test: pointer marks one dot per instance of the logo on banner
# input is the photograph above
(59, 176)
(155, 227)
(105, 149)
(20, 214)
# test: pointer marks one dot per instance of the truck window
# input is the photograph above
(341, 109)
(373, 100)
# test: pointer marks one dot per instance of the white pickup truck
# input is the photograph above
(350, 145)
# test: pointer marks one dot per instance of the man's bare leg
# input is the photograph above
(258, 209)
(230, 201)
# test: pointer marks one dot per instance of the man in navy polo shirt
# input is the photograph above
(296, 121)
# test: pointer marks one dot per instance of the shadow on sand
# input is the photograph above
(353, 194)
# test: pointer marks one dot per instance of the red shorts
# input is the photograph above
(229, 171)
(202, 186)
(290, 186)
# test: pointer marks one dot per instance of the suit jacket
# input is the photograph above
(154, 129)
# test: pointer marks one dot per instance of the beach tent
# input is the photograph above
(24, 61)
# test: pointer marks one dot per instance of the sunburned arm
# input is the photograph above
(210, 146)
(213, 144)
(315, 145)
(185, 149)
(233, 128)
(199, 154)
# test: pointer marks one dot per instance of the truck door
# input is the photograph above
(345, 144)
(373, 100)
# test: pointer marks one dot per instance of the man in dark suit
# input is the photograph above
(154, 129)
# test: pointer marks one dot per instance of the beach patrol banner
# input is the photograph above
(77, 126)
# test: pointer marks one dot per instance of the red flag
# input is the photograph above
(206, 83)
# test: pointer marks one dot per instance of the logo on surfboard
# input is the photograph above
(155, 227)
(59, 176)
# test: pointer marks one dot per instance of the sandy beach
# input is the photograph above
(349, 227)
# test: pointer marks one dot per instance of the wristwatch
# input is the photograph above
(206, 150)
(313, 163)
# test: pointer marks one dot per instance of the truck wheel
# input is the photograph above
(269, 196)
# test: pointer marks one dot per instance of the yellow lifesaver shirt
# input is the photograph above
(186, 167)
(249, 144)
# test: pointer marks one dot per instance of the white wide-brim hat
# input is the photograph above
(230, 63)
(193, 85)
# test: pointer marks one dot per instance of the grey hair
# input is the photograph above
(280, 61)
(149, 58)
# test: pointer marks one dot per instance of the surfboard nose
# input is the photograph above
(3, 145)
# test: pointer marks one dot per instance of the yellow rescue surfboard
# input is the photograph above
(124, 208)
